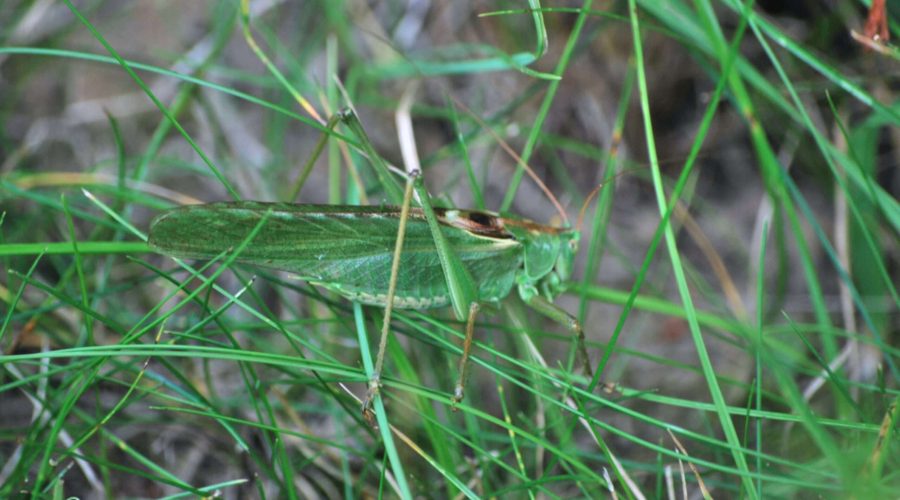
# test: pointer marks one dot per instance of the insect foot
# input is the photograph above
(458, 395)
(374, 388)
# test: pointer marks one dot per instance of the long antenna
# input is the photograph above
(511, 152)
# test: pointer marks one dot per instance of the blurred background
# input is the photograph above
(775, 123)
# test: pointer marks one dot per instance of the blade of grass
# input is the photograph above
(671, 245)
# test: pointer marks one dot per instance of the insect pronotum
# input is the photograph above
(447, 257)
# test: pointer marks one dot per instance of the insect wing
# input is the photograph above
(346, 248)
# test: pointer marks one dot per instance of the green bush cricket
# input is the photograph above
(395, 257)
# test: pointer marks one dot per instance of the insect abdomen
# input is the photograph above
(401, 301)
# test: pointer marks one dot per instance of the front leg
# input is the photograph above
(537, 302)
